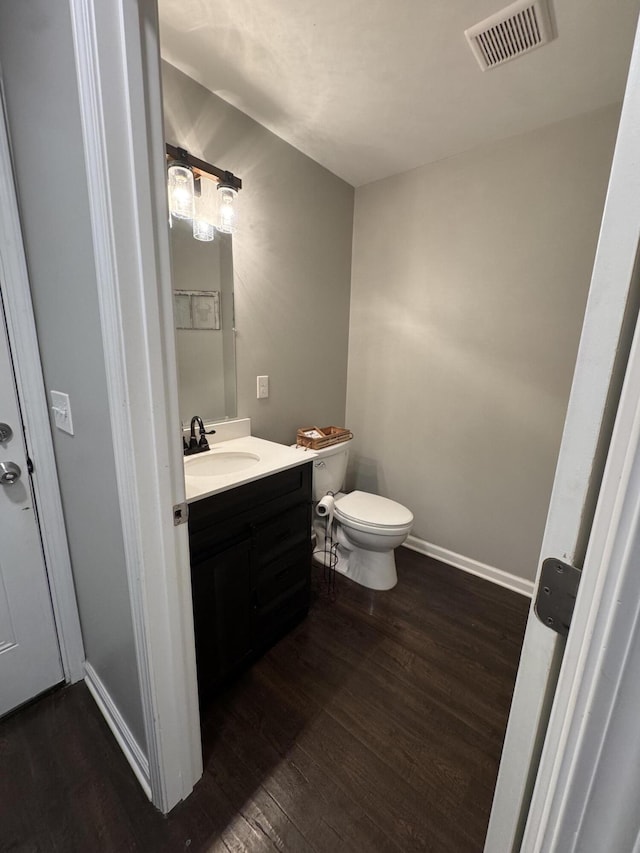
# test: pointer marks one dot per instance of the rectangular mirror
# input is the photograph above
(202, 276)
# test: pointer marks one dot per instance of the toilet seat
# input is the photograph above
(367, 512)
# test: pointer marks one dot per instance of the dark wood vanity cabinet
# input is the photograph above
(250, 570)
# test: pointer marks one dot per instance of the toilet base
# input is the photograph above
(373, 569)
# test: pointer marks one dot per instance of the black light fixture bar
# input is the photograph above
(202, 167)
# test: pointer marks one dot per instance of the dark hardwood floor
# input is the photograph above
(376, 725)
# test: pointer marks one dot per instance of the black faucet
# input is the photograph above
(195, 445)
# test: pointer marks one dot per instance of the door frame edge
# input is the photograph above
(127, 207)
(599, 623)
(545, 803)
(23, 341)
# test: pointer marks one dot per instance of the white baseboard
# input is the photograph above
(121, 731)
(513, 582)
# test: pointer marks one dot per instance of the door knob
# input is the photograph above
(5, 432)
(9, 473)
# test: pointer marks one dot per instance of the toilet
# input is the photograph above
(366, 528)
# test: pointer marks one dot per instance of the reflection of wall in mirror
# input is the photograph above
(205, 357)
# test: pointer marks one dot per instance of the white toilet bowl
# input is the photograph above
(368, 529)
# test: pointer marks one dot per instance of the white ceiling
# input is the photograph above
(370, 88)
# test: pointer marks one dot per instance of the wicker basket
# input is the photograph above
(306, 436)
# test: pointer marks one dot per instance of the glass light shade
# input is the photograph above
(227, 213)
(204, 211)
(203, 230)
(180, 181)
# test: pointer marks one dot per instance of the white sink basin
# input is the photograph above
(237, 461)
(219, 463)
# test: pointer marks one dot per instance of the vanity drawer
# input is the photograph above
(208, 541)
(286, 574)
(258, 499)
(284, 531)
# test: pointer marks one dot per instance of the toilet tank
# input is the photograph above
(330, 469)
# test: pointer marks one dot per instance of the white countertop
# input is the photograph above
(273, 458)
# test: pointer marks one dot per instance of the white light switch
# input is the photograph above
(61, 408)
(263, 387)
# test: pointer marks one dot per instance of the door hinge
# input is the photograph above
(180, 513)
(556, 595)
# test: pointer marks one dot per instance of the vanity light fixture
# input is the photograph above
(180, 182)
(227, 208)
(204, 210)
(192, 194)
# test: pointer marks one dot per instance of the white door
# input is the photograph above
(29, 653)
(610, 317)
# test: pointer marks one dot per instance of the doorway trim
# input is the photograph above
(606, 620)
(549, 677)
(23, 342)
(600, 645)
(117, 60)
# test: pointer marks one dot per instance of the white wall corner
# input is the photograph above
(474, 567)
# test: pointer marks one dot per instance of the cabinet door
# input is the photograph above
(223, 612)
(283, 576)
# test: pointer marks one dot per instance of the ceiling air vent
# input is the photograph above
(518, 29)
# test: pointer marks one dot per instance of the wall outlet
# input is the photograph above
(61, 408)
(263, 387)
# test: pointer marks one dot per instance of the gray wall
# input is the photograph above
(470, 278)
(44, 123)
(292, 261)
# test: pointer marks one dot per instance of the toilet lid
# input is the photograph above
(373, 509)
